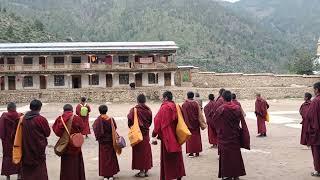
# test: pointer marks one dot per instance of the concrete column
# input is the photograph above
(102, 80)
(132, 77)
(115, 80)
(68, 81)
(6, 85)
(161, 78)
(172, 78)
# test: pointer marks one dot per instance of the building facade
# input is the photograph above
(75, 65)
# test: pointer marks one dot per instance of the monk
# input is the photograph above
(226, 121)
(304, 112)
(190, 110)
(35, 131)
(235, 101)
(165, 124)
(212, 137)
(85, 116)
(313, 130)
(108, 162)
(72, 166)
(8, 125)
(261, 107)
(198, 99)
(141, 153)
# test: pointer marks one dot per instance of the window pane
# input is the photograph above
(123, 59)
(27, 60)
(10, 60)
(152, 78)
(94, 79)
(123, 78)
(59, 80)
(76, 59)
(58, 60)
(28, 81)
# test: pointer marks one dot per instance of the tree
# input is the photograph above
(38, 25)
(302, 63)
(9, 32)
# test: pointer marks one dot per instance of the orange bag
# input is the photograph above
(182, 130)
(135, 135)
(17, 145)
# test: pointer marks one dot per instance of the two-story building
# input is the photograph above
(86, 65)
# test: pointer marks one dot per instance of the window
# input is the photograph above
(94, 79)
(28, 81)
(123, 59)
(59, 80)
(1, 60)
(10, 60)
(76, 59)
(123, 78)
(58, 60)
(152, 78)
(27, 60)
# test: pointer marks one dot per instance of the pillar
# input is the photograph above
(69, 81)
(172, 78)
(6, 85)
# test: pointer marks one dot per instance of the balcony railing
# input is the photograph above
(84, 66)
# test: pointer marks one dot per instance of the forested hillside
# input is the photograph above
(210, 35)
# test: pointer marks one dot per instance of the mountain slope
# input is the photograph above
(209, 35)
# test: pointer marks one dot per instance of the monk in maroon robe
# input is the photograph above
(8, 125)
(165, 124)
(226, 120)
(313, 130)
(141, 153)
(86, 129)
(304, 112)
(261, 107)
(190, 110)
(212, 137)
(108, 162)
(35, 130)
(235, 101)
(72, 166)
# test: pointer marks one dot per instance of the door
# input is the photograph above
(2, 83)
(138, 80)
(76, 81)
(42, 62)
(109, 81)
(167, 79)
(43, 82)
(12, 82)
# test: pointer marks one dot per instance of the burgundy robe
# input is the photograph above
(35, 130)
(226, 121)
(8, 125)
(108, 162)
(72, 166)
(86, 129)
(190, 110)
(261, 107)
(165, 124)
(210, 115)
(212, 136)
(141, 153)
(313, 130)
(304, 112)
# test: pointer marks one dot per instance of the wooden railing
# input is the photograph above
(84, 66)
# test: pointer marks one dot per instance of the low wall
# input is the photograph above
(126, 95)
(238, 80)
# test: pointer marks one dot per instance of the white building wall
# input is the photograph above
(161, 78)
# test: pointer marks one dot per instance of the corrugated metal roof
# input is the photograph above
(87, 46)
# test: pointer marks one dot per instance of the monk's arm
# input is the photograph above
(44, 125)
(58, 127)
(157, 125)
(78, 110)
(79, 123)
(130, 117)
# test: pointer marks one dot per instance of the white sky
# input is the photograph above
(231, 0)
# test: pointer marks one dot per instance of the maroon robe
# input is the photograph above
(304, 112)
(86, 129)
(226, 121)
(8, 125)
(108, 162)
(261, 107)
(190, 109)
(313, 130)
(72, 166)
(211, 113)
(35, 130)
(212, 136)
(165, 124)
(141, 153)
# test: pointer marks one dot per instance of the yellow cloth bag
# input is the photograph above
(182, 130)
(17, 145)
(135, 135)
(267, 117)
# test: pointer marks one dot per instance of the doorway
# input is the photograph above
(42, 62)
(43, 82)
(109, 80)
(138, 80)
(76, 81)
(12, 82)
(167, 79)
(2, 83)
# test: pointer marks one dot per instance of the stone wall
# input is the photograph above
(238, 80)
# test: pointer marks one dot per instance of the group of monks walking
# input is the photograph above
(223, 117)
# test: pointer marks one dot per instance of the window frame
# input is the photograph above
(126, 79)
(55, 80)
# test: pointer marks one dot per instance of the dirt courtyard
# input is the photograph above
(277, 157)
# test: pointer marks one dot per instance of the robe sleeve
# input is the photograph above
(44, 125)
(78, 109)
(78, 124)
(130, 117)
(58, 127)
(157, 123)
(2, 128)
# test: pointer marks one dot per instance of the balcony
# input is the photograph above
(84, 66)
